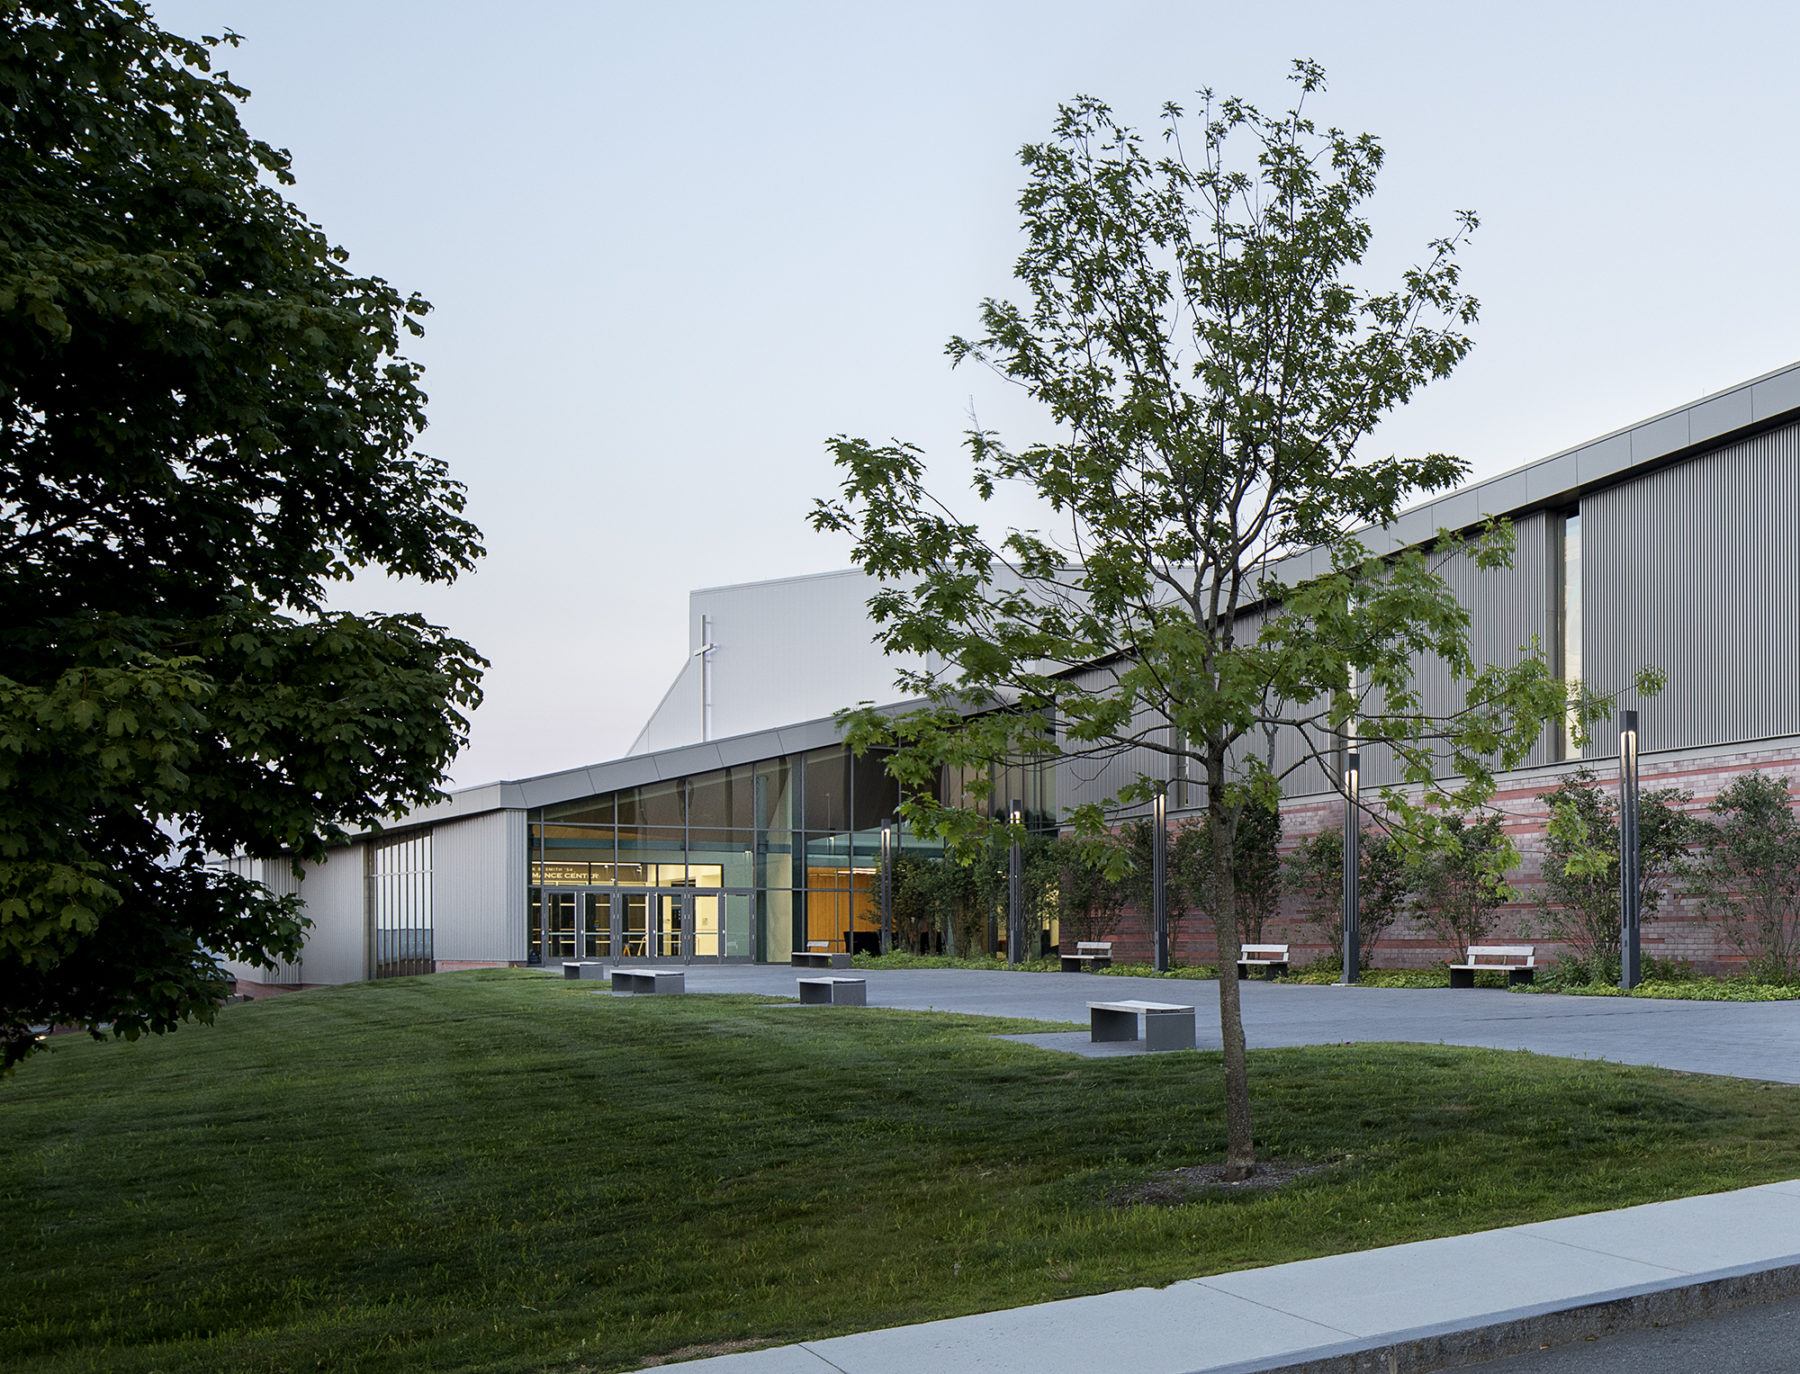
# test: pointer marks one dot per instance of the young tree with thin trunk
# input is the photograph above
(1210, 363)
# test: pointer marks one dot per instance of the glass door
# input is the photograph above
(707, 934)
(634, 931)
(597, 926)
(559, 910)
(671, 920)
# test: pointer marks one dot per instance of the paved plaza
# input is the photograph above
(1759, 1040)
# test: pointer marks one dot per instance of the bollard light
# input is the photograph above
(887, 884)
(1015, 890)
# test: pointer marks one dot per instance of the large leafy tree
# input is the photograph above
(1196, 326)
(205, 421)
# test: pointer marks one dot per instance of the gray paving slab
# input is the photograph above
(1759, 1040)
(1156, 1331)
(1452, 1281)
(1689, 1235)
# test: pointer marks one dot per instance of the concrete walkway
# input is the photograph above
(1759, 1040)
(1435, 1304)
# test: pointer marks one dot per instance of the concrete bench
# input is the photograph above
(818, 954)
(649, 980)
(834, 992)
(1271, 959)
(1092, 953)
(1517, 962)
(1167, 1026)
(586, 968)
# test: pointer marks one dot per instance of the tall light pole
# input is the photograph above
(887, 884)
(1159, 879)
(1352, 868)
(1015, 890)
(1630, 897)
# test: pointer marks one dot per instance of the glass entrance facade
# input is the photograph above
(750, 862)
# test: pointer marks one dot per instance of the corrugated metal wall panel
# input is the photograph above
(337, 946)
(1506, 606)
(278, 876)
(470, 887)
(518, 850)
(1692, 569)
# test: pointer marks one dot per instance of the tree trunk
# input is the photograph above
(1240, 1149)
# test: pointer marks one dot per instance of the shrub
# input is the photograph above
(1748, 873)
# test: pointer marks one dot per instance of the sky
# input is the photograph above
(673, 247)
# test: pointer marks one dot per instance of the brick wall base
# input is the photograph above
(1679, 930)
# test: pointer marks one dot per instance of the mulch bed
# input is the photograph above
(1192, 1182)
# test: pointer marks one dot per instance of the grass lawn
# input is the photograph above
(500, 1170)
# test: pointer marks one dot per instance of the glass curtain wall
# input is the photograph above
(750, 862)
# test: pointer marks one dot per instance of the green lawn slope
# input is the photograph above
(503, 1171)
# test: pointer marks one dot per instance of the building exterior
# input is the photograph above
(732, 832)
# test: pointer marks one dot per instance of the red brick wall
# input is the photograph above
(1678, 931)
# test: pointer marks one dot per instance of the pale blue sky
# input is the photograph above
(673, 247)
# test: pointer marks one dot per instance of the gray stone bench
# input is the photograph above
(1091, 953)
(1271, 959)
(821, 958)
(1167, 1025)
(586, 968)
(834, 992)
(649, 980)
(1517, 962)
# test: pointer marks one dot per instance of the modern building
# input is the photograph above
(739, 828)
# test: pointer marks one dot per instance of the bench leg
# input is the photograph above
(1169, 1030)
(811, 994)
(1462, 977)
(1517, 976)
(850, 995)
(1243, 972)
(1112, 1025)
(1071, 963)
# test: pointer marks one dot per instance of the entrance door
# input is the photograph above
(597, 926)
(672, 917)
(560, 922)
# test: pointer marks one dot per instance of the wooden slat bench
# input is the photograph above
(1517, 962)
(834, 992)
(1089, 953)
(1167, 1026)
(1271, 959)
(649, 980)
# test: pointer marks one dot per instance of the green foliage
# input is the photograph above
(1315, 871)
(1210, 364)
(1747, 873)
(443, 1174)
(1461, 879)
(1580, 897)
(205, 420)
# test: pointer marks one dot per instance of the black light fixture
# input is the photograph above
(1352, 867)
(1159, 879)
(1015, 890)
(1630, 897)
(887, 884)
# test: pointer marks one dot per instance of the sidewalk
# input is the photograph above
(1435, 1304)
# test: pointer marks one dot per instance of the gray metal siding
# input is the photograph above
(1692, 569)
(470, 888)
(335, 891)
(1507, 607)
